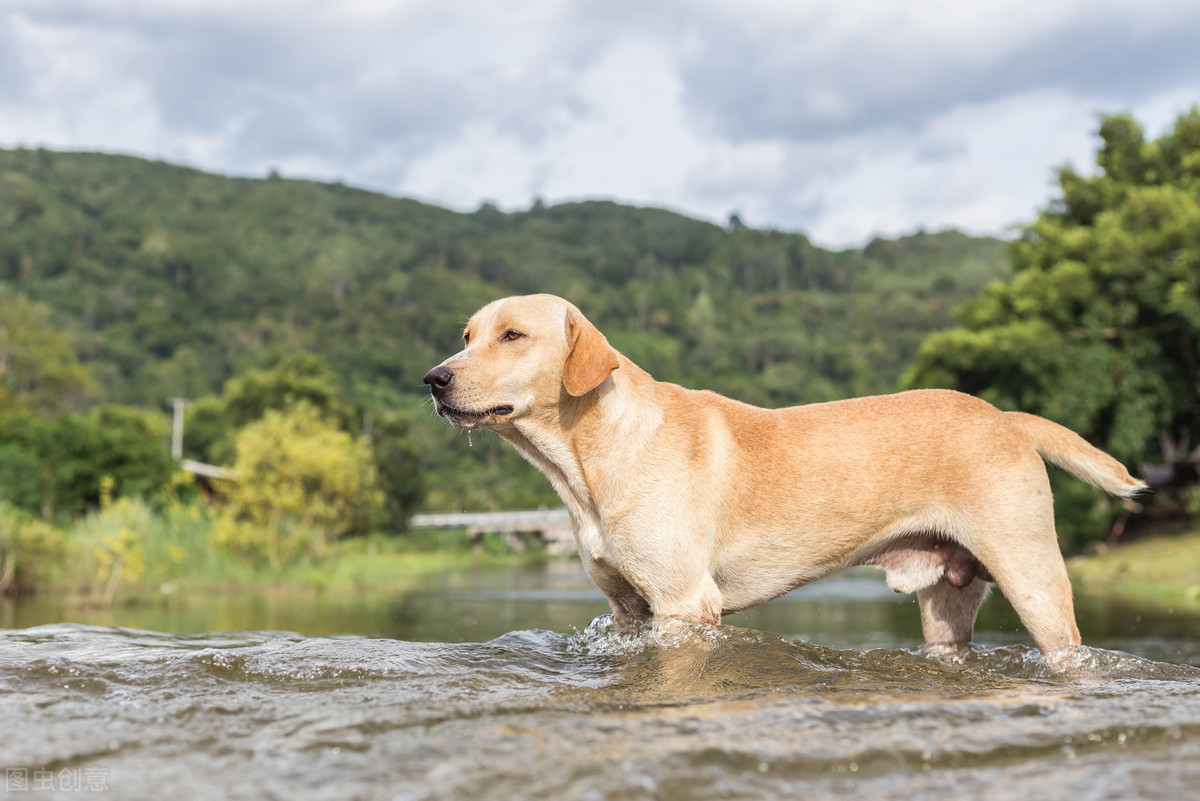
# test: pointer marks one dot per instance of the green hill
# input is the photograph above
(170, 281)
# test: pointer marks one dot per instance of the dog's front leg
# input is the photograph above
(630, 609)
(630, 612)
(694, 601)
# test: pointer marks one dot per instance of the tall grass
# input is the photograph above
(131, 549)
(128, 543)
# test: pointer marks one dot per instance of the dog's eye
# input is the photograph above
(466, 339)
(511, 336)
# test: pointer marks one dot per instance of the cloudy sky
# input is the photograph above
(839, 118)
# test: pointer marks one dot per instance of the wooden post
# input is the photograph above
(177, 429)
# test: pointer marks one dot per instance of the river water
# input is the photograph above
(511, 684)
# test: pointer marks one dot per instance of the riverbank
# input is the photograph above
(356, 570)
(131, 553)
(1161, 570)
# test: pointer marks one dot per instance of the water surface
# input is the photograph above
(502, 708)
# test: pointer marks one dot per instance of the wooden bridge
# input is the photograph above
(549, 526)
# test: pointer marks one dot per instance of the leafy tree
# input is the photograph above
(304, 379)
(298, 378)
(212, 423)
(26, 476)
(39, 369)
(59, 466)
(130, 447)
(301, 483)
(207, 434)
(1100, 327)
(399, 465)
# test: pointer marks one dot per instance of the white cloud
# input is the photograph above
(843, 119)
(989, 162)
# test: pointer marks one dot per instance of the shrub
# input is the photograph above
(31, 552)
(301, 482)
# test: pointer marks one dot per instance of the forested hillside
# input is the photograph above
(170, 281)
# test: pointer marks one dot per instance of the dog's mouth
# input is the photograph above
(465, 418)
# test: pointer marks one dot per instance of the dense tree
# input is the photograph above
(58, 466)
(298, 377)
(1100, 326)
(39, 369)
(399, 466)
(212, 422)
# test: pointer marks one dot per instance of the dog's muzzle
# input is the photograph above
(439, 380)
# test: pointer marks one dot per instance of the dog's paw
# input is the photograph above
(627, 625)
(1072, 659)
(947, 653)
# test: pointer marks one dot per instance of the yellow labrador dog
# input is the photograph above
(688, 505)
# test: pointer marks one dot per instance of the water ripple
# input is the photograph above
(677, 711)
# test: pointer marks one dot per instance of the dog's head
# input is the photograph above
(520, 355)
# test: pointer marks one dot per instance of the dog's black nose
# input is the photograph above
(439, 379)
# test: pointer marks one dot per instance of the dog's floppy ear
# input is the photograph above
(590, 359)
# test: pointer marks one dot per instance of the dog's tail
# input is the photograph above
(1064, 448)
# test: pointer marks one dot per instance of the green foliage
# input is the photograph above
(31, 552)
(1082, 514)
(301, 482)
(1099, 328)
(129, 446)
(39, 370)
(24, 479)
(399, 467)
(302, 378)
(57, 466)
(297, 378)
(127, 544)
(207, 432)
(212, 423)
(119, 549)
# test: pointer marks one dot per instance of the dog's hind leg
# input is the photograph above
(948, 615)
(1040, 591)
(1029, 570)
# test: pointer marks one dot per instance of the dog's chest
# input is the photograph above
(589, 536)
